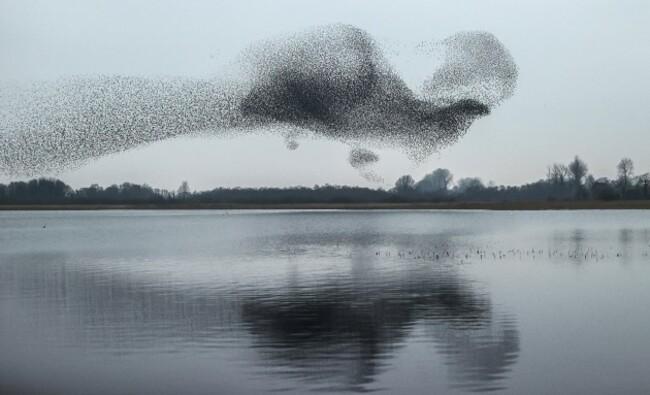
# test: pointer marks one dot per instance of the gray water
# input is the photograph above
(410, 302)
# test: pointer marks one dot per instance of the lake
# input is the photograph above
(395, 302)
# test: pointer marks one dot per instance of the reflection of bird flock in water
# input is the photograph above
(330, 82)
(451, 254)
(487, 253)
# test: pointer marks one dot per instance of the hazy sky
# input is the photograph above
(582, 88)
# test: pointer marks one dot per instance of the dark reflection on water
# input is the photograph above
(261, 302)
(167, 303)
(367, 316)
(342, 333)
(331, 313)
(337, 334)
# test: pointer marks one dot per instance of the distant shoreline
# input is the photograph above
(498, 206)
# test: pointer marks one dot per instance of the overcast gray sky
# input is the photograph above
(582, 88)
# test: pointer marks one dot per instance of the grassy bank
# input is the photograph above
(554, 205)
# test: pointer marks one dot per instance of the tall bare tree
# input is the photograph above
(577, 172)
(184, 190)
(558, 173)
(404, 184)
(437, 181)
(625, 171)
(471, 184)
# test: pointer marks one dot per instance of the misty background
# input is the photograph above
(581, 87)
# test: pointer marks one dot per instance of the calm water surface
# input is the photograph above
(411, 302)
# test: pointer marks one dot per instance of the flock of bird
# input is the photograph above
(469, 255)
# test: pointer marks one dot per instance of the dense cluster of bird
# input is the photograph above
(474, 254)
(329, 82)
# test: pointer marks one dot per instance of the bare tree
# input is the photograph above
(437, 181)
(404, 183)
(625, 171)
(470, 184)
(577, 171)
(442, 178)
(558, 173)
(644, 182)
(184, 190)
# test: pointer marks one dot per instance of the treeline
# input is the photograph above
(563, 182)
(52, 191)
(570, 181)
